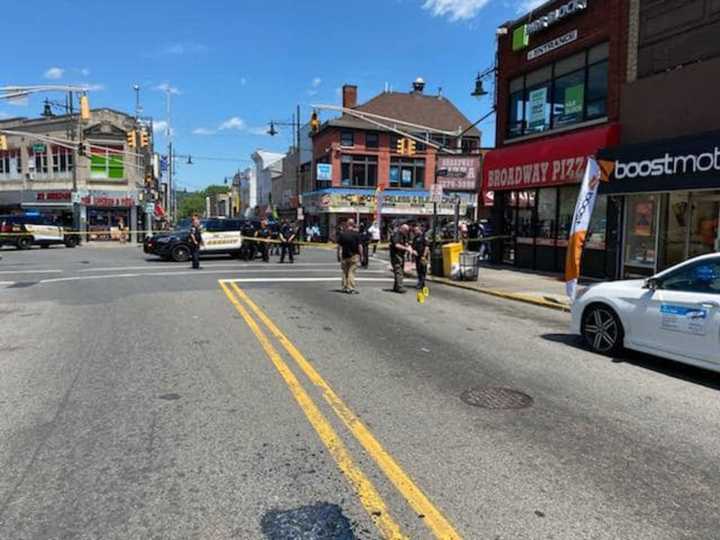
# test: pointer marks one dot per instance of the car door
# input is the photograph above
(211, 235)
(682, 315)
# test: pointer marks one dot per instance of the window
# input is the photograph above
(107, 162)
(62, 161)
(700, 277)
(546, 215)
(407, 173)
(372, 140)
(359, 171)
(38, 161)
(10, 164)
(570, 91)
(347, 138)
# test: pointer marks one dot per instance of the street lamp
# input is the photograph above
(272, 131)
(479, 89)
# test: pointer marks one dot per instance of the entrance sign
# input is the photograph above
(324, 172)
(552, 45)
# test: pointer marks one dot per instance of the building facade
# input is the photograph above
(268, 165)
(108, 183)
(352, 158)
(665, 176)
(560, 75)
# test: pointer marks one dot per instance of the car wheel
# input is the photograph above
(24, 242)
(71, 241)
(45, 246)
(180, 254)
(602, 330)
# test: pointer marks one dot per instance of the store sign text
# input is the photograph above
(669, 165)
(555, 16)
(537, 174)
(52, 196)
(552, 45)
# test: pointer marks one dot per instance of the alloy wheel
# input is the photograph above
(601, 330)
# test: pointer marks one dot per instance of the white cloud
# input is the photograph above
(182, 48)
(84, 72)
(54, 73)
(233, 123)
(455, 10)
(526, 6)
(258, 130)
(243, 81)
(312, 93)
(165, 87)
(317, 81)
(161, 126)
(4, 114)
(203, 131)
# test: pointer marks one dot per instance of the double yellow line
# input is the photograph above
(364, 488)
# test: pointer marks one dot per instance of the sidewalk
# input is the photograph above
(547, 290)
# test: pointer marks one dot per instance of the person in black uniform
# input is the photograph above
(287, 237)
(248, 245)
(421, 247)
(398, 247)
(195, 240)
(264, 233)
(365, 241)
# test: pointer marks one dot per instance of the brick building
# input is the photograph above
(352, 157)
(666, 174)
(560, 74)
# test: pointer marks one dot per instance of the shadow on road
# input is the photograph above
(664, 366)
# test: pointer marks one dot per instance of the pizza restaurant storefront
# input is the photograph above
(535, 187)
(669, 192)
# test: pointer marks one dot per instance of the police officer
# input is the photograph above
(365, 238)
(195, 240)
(398, 247)
(248, 245)
(421, 248)
(263, 234)
(287, 237)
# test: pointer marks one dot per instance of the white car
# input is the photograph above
(674, 314)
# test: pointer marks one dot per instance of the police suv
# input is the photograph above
(26, 230)
(220, 236)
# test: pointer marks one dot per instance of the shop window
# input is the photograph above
(62, 161)
(641, 232)
(407, 173)
(107, 163)
(704, 223)
(38, 163)
(570, 91)
(10, 164)
(568, 200)
(546, 215)
(347, 138)
(359, 171)
(372, 140)
(597, 231)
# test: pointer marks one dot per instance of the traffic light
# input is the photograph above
(314, 122)
(82, 149)
(401, 146)
(3, 142)
(411, 145)
(84, 108)
(144, 139)
(131, 139)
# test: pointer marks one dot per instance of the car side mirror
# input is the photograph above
(651, 284)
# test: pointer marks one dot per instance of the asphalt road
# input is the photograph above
(140, 399)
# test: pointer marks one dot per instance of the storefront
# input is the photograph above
(105, 210)
(669, 193)
(535, 188)
(53, 203)
(330, 207)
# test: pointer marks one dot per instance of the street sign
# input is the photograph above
(324, 171)
(149, 208)
(38, 148)
(436, 193)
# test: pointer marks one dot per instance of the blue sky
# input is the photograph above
(235, 65)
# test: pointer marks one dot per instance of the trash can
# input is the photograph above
(469, 265)
(451, 257)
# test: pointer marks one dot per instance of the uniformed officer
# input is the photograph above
(398, 248)
(195, 238)
(264, 233)
(421, 247)
(248, 245)
(287, 237)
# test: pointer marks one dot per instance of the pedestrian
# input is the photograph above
(248, 244)
(196, 241)
(349, 254)
(421, 247)
(365, 241)
(287, 238)
(121, 230)
(398, 248)
(374, 231)
(263, 234)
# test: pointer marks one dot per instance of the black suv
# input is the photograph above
(25, 231)
(220, 236)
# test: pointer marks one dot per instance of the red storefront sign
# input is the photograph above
(63, 196)
(550, 162)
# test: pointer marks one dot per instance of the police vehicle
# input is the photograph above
(220, 236)
(26, 230)
(674, 314)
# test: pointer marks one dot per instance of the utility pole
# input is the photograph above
(171, 165)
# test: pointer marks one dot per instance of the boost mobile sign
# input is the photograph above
(669, 165)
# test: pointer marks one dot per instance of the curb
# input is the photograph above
(518, 297)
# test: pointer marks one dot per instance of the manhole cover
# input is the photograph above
(493, 397)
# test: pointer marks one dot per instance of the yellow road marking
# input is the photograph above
(369, 497)
(434, 519)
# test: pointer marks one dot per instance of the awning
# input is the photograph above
(549, 162)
